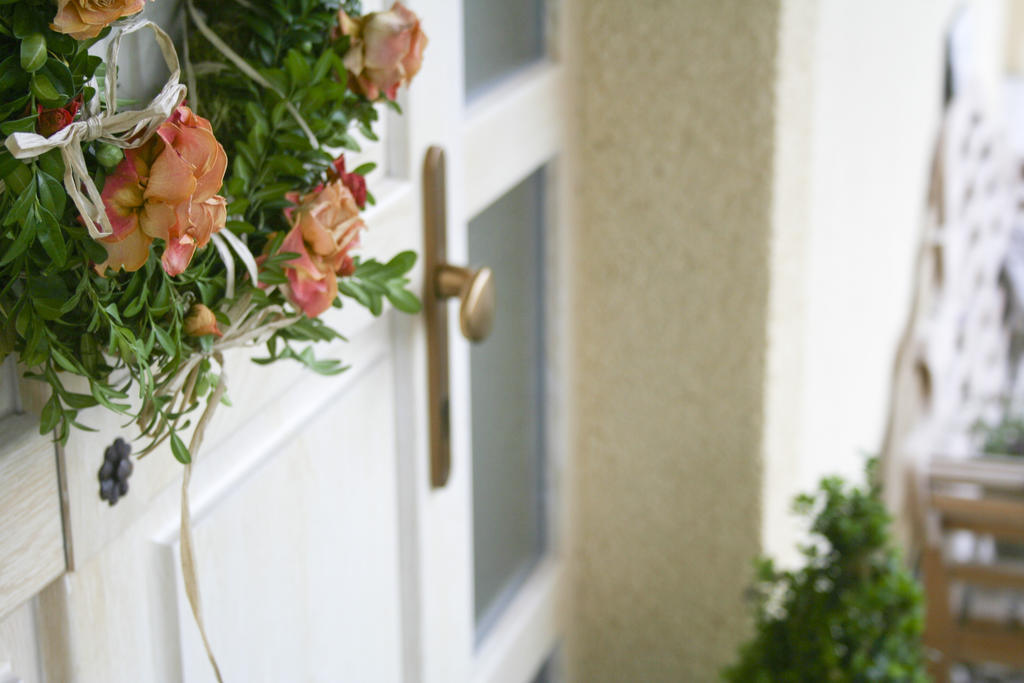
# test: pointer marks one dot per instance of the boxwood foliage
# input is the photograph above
(852, 613)
(123, 330)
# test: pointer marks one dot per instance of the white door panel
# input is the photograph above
(303, 555)
(251, 389)
(31, 533)
(323, 553)
(297, 538)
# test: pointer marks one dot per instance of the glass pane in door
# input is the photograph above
(508, 400)
(500, 38)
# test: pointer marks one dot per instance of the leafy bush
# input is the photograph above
(852, 613)
(1005, 438)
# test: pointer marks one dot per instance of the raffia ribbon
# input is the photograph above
(249, 326)
(189, 573)
(125, 129)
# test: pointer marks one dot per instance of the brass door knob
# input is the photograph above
(475, 291)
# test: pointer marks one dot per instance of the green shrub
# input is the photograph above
(852, 613)
(1005, 438)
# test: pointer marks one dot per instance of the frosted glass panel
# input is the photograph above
(501, 36)
(508, 400)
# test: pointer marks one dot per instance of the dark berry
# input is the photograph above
(124, 469)
(110, 454)
(122, 448)
(122, 488)
(108, 488)
(108, 470)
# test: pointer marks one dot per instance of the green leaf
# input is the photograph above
(271, 277)
(79, 401)
(53, 164)
(15, 105)
(164, 340)
(26, 20)
(51, 191)
(64, 44)
(51, 236)
(43, 88)
(243, 171)
(61, 78)
(135, 305)
(63, 361)
(24, 125)
(273, 191)
(33, 52)
(322, 67)
(277, 78)
(402, 263)
(22, 207)
(404, 300)
(298, 68)
(286, 165)
(50, 416)
(179, 450)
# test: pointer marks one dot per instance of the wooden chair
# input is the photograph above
(978, 502)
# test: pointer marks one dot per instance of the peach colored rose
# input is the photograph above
(166, 189)
(325, 226)
(386, 50)
(82, 19)
(200, 321)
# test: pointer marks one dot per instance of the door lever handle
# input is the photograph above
(475, 291)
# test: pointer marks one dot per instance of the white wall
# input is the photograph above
(875, 108)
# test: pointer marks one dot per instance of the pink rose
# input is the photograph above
(386, 50)
(166, 189)
(82, 19)
(325, 226)
(200, 321)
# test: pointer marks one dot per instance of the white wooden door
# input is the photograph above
(492, 571)
(323, 552)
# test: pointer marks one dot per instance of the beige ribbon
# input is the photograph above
(126, 129)
(189, 572)
(246, 329)
(225, 241)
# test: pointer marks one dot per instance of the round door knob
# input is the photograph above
(475, 291)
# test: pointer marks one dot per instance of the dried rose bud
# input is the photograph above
(51, 121)
(200, 321)
(355, 183)
(385, 50)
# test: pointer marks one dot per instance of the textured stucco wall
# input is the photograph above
(674, 122)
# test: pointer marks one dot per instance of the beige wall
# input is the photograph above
(750, 185)
(674, 120)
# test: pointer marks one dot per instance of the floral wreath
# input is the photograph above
(108, 214)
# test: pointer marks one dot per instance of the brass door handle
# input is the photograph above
(475, 290)
(442, 280)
